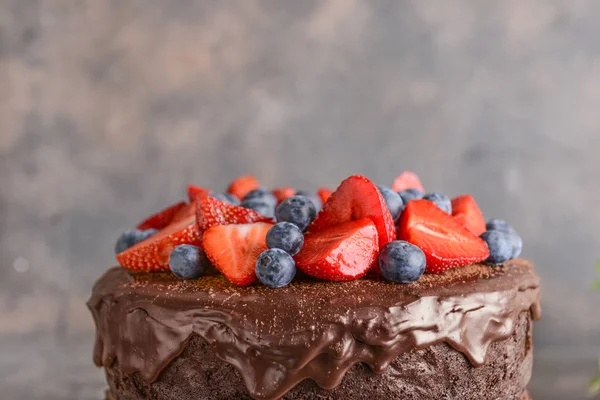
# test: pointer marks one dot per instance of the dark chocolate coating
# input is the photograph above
(455, 335)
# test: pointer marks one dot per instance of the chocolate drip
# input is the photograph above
(310, 329)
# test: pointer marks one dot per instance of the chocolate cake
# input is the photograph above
(393, 298)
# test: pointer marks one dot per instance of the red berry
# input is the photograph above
(283, 193)
(407, 180)
(184, 212)
(324, 194)
(445, 242)
(196, 191)
(342, 252)
(162, 218)
(212, 212)
(466, 211)
(241, 186)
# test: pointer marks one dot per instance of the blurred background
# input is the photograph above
(109, 108)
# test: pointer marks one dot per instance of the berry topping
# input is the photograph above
(515, 239)
(152, 254)
(298, 210)
(187, 261)
(342, 252)
(313, 196)
(500, 245)
(184, 213)
(393, 200)
(285, 236)
(212, 212)
(162, 218)
(445, 242)
(196, 191)
(242, 185)
(324, 194)
(283, 193)
(402, 262)
(275, 268)
(226, 197)
(357, 198)
(410, 194)
(496, 224)
(440, 200)
(234, 249)
(260, 206)
(466, 211)
(407, 180)
(132, 237)
(262, 195)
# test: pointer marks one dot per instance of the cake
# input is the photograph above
(459, 329)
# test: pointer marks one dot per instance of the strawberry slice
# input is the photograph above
(324, 194)
(212, 212)
(357, 198)
(233, 250)
(242, 185)
(283, 193)
(184, 213)
(343, 252)
(407, 180)
(152, 254)
(445, 242)
(466, 211)
(162, 218)
(196, 191)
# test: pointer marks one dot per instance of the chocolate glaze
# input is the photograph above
(310, 329)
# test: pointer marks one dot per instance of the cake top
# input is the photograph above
(251, 234)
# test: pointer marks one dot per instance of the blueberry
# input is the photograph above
(500, 245)
(411, 194)
(261, 194)
(285, 236)
(132, 237)
(275, 268)
(313, 197)
(440, 200)
(393, 200)
(266, 209)
(517, 243)
(226, 197)
(503, 226)
(298, 210)
(402, 262)
(187, 261)
(495, 223)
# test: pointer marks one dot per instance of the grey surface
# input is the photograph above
(108, 109)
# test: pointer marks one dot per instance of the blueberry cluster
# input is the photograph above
(132, 237)
(503, 241)
(275, 267)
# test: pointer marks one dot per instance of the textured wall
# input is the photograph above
(108, 108)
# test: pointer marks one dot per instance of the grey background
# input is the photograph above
(109, 108)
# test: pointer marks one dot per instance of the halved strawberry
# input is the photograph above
(324, 194)
(152, 254)
(196, 191)
(240, 187)
(445, 242)
(466, 211)
(162, 218)
(184, 212)
(357, 198)
(212, 212)
(407, 180)
(233, 250)
(283, 193)
(342, 252)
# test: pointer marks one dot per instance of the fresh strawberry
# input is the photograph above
(466, 211)
(162, 218)
(212, 212)
(242, 185)
(152, 254)
(233, 249)
(445, 242)
(196, 191)
(407, 180)
(357, 198)
(184, 212)
(324, 194)
(342, 252)
(283, 193)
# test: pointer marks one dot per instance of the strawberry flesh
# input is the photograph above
(212, 212)
(233, 250)
(184, 213)
(342, 252)
(152, 254)
(283, 193)
(356, 198)
(324, 194)
(162, 218)
(241, 186)
(446, 243)
(466, 211)
(407, 180)
(196, 191)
